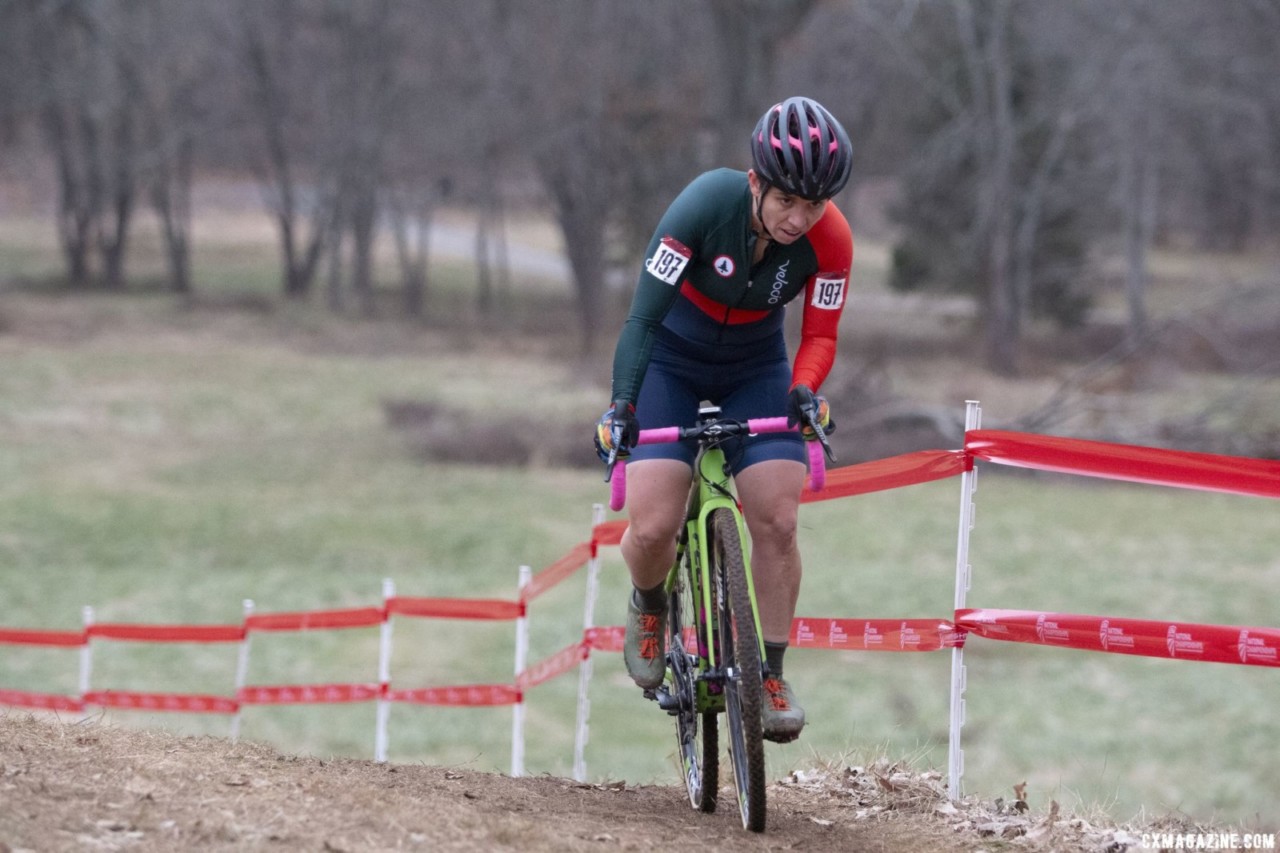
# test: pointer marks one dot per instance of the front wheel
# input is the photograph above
(696, 730)
(740, 646)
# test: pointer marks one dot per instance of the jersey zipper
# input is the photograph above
(751, 275)
(742, 297)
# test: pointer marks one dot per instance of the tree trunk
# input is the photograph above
(988, 65)
(334, 296)
(364, 215)
(1139, 233)
(411, 231)
(171, 200)
(582, 220)
(114, 232)
(1004, 329)
(74, 218)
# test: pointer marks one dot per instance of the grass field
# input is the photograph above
(163, 463)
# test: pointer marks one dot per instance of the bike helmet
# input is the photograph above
(800, 147)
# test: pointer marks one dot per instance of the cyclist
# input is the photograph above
(706, 323)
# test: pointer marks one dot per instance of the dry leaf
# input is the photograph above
(1020, 804)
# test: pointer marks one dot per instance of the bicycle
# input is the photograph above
(715, 650)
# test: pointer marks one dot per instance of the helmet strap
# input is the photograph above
(764, 229)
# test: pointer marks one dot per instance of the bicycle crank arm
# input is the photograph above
(667, 701)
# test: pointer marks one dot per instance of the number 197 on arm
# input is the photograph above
(668, 260)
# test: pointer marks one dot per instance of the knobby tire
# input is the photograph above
(740, 646)
(696, 733)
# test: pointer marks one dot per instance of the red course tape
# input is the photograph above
(923, 466)
(557, 571)
(168, 633)
(1206, 471)
(876, 635)
(354, 617)
(455, 608)
(307, 694)
(472, 695)
(609, 532)
(43, 701)
(177, 702)
(1146, 637)
(562, 661)
(37, 637)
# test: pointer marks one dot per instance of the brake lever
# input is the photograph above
(615, 434)
(811, 415)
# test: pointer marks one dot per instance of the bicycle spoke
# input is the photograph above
(697, 744)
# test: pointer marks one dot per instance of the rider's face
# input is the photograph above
(787, 218)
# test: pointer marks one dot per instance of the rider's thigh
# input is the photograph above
(770, 496)
(657, 490)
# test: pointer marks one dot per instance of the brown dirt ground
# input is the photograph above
(91, 786)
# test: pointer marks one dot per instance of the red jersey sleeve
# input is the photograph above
(824, 298)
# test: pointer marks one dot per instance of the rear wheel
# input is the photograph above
(740, 647)
(696, 732)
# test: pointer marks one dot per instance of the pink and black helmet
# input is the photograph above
(800, 147)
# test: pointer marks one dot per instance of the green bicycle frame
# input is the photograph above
(710, 491)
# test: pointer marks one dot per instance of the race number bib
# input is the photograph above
(669, 261)
(828, 293)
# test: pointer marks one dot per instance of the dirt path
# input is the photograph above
(85, 786)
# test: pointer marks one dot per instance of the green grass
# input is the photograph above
(164, 465)
(1124, 731)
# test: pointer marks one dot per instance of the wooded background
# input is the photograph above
(1021, 140)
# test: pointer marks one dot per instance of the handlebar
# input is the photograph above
(617, 467)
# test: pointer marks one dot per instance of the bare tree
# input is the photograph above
(19, 96)
(993, 190)
(749, 37)
(411, 210)
(492, 147)
(1137, 126)
(570, 139)
(1031, 126)
(988, 66)
(165, 77)
(1176, 119)
(589, 119)
(90, 127)
(367, 49)
(285, 100)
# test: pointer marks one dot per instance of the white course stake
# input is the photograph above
(86, 656)
(380, 737)
(585, 668)
(968, 485)
(242, 670)
(522, 656)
